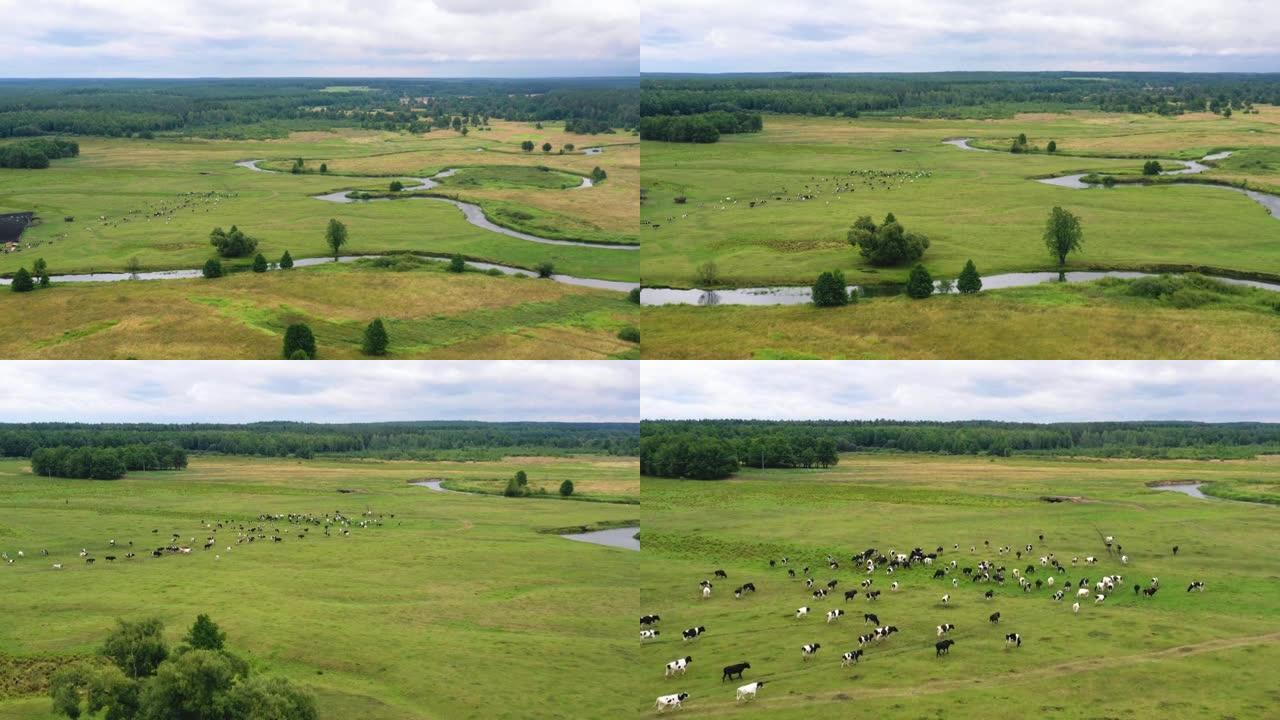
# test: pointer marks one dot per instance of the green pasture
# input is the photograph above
(456, 607)
(1128, 657)
(982, 206)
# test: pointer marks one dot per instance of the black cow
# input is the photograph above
(649, 619)
(873, 594)
(871, 618)
(831, 585)
(990, 594)
(1150, 592)
(721, 574)
(731, 670)
(748, 587)
(995, 618)
(943, 647)
(850, 595)
(939, 574)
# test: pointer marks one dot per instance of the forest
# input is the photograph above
(955, 94)
(106, 463)
(248, 108)
(407, 440)
(702, 128)
(35, 154)
(712, 449)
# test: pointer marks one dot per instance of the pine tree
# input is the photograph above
(286, 261)
(259, 263)
(212, 268)
(969, 282)
(22, 281)
(299, 339)
(205, 634)
(920, 284)
(375, 338)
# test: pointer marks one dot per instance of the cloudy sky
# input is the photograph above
(922, 35)
(319, 38)
(329, 391)
(991, 390)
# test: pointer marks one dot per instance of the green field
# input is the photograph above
(458, 606)
(1128, 657)
(972, 205)
(1098, 320)
(428, 312)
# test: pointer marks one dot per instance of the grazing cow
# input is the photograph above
(850, 595)
(894, 587)
(747, 692)
(808, 651)
(1013, 639)
(1150, 592)
(791, 573)
(850, 658)
(773, 563)
(819, 593)
(831, 585)
(864, 639)
(1082, 592)
(706, 591)
(939, 574)
(945, 628)
(946, 599)
(1075, 607)
(874, 594)
(989, 594)
(834, 615)
(648, 635)
(1175, 550)
(1058, 595)
(870, 618)
(1098, 598)
(1090, 560)
(731, 670)
(1196, 585)
(88, 560)
(110, 558)
(748, 587)
(57, 566)
(994, 619)
(679, 665)
(667, 702)
(693, 632)
(943, 647)
(650, 619)
(721, 574)
(802, 612)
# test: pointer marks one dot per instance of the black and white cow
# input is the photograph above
(945, 628)
(850, 658)
(994, 619)
(834, 615)
(808, 651)
(679, 666)
(693, 632)
(943, 647)
(1013, 639)
(667, 702)
(1196, 585)
(648, 635)
(721, 574)
(646, 620)
(802, 612)
(736, 669)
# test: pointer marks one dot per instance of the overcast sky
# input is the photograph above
(364, 38)
(989, 390)
(922, 35)
(329, 391)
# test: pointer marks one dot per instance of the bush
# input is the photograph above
(566, 488)
(634, 296)
(513, 489)
(831, 290)
(457, 264)
(375, 339)
(546, 269)
(680, 199)
(259, 263)
(706, 275)
(920, 284)
(212, 268)
(969, 281)
(396, 186)
(598, 175)
(22, 281)
(887, 244)
(286, 261)
(629, 333)
(1053, 146)
(1152, 167)
(232, 243)
(298, 338)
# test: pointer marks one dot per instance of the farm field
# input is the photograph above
(1096, 320)
(458, 606)
(428, 312)
(984, 206)
(1129, 656)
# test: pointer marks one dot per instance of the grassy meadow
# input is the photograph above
(1128, 657)
(458, 606)
(1098, 320)
(428, 312)
(972, 205)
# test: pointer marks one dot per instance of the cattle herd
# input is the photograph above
(984, 569)
(268, 528)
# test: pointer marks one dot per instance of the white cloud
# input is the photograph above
(330, 391)
(92, 38)
(988, 390)
(894, 36)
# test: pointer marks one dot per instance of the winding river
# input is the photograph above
(624, 538)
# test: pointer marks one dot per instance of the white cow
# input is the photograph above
(747, 692)
(1075, 607)
(667, 702)
(802, 612)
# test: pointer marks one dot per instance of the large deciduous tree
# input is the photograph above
(1062, 234)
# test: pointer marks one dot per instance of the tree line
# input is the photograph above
(710, 449)
(704, 127)
(36, 153)
(88, 462)
(289, 439)
(955, 94)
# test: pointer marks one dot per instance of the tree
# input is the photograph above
(888, 244)
(298, 338)
(259, 698)
(630, 333)
(375, 338)
(286, 261)
(566, 488)
(133, 265)
(598, 175)
(1062, 234)
(335, 236)
(527, 146)
(212, 268)
(85, 689)
(396, 186)
(191, 685)
(546, 147)
(1226, 112)
(457, 264)
(1022, 138)
(969, 281)
(1053, 146)
(830, 290)
(22, 281)
(706, 275)
(137, 648)
(522, 478)
(259, 263)
(300, 355)
(40, 269)
(324, 168)
(1108, 182)
(920, 283)
(232, 243)
(634, 296)
(1152, 167)
(546, 269)
(513, 489)
(205, 634)
(568, 147)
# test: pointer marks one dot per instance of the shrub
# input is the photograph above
(298, 338)
(546, 269)
(396, 186)
(1152, 167)
(22, 281)
(969, 281)
(634, 296)
(513, 489)
(232, 243)
(1053, 146)
(920, 284)
(286, 261)
(830, 290)
(629, 333)
(375, 339)
(887, 244)
(457, 264)
(212, 268)
(707, 274)
(259, 263)
(566, 488)
(598, 175)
